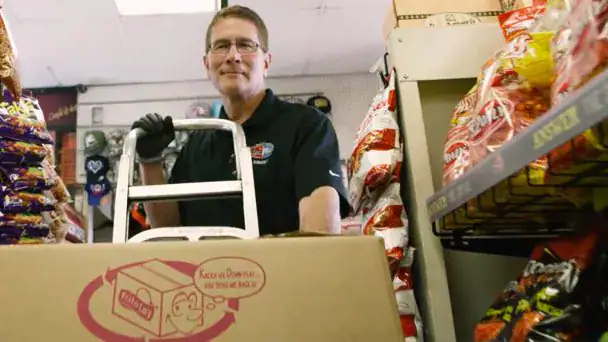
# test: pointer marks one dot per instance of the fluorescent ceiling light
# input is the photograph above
(155, 7)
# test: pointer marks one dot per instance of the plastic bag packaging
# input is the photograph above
(544, 303)
(456, 153)
(14, 228)
(16, 124)
(514, 92)
(58, 189)
(19, 152)
(24, 202)
(377, 148)
(8, 58)
(580, 51)
(57, 222)
(29, 179)
(411, 322)
(387, 219)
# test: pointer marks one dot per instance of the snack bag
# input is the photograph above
(29, 179)
(8, 57)
(377, 148)
(24, 202)
(456, 153)
(540, 305)
(411, 322)
(16, 227)
(19, 152)
(16, 124)
(58, 189)
(387, 219)
(514, 92)
(580, 51)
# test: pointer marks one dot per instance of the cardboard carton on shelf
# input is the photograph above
(414, 13)
(284, 289)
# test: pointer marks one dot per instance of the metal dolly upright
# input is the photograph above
(244, 184)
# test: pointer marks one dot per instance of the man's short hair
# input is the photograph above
(240, 12)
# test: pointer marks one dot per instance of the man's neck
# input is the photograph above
(239, 109)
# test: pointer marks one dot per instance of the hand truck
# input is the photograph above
(244, 184)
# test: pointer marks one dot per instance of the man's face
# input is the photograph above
(235, 63)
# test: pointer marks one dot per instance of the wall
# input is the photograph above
(122, 104)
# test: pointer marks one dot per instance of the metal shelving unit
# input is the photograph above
(502, 226)
(435, 67)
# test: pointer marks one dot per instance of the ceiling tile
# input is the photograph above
(278, 6)
(357, 3)
(54, 9)
(343, 44)
(159, 48)
(93, 50)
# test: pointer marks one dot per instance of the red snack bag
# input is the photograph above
(519, 21)
(387, 219)
(377, 148)
(580, 51)
(411, 322)
(540, 305)
(456, 152)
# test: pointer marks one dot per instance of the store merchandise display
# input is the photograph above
(33, 197)
(525, 164)
(374, 192)
(550, 52)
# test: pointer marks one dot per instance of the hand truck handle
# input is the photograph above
(125, 191)
(238, 135)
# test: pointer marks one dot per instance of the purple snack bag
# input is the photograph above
(29, 179)
(19, 152)
(16, 123)
(36, 232)
(25, 202)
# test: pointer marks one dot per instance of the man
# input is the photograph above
(297, 178)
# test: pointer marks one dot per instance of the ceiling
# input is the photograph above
(69, 42)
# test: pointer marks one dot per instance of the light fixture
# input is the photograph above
(157, 7)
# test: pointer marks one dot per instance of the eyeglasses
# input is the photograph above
(222, 47)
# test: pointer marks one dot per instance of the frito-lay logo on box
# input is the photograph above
(161, 300)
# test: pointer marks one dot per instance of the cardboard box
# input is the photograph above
(414, 13)
(293, 289)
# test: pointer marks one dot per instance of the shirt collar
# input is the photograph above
(262, 114)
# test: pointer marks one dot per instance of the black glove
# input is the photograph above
(159, 134)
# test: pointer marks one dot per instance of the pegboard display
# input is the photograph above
(115, 136)
(99, 118)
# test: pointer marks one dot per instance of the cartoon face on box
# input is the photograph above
(158, 299)
(169, 300)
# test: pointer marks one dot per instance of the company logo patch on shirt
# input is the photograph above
(260, 153)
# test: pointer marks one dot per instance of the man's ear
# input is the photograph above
(206, 62)
(267, 62)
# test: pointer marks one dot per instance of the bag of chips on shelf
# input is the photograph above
(27, 178)
(546, 302)
(411, 322)
(19, 126)
(514, 91)
(15, 202)
(19, 152)
(580, 51)
(377, 148)
(456, 154)
(386, 218)
(8, 58)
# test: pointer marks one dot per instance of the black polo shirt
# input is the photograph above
(294, 150)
